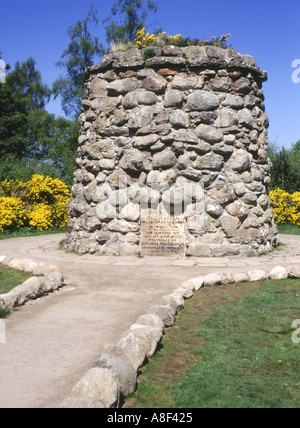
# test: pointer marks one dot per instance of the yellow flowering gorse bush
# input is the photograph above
(12, 188)
(40, 216)
(59, 213)
(286, 207)
(12, 213)
(39, 203)
(144, 39)
(46, 190)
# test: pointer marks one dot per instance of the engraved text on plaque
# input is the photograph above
(162, 233)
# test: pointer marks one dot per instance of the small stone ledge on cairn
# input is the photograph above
(197, 57)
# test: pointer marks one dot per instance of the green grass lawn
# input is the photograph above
(28, 231)
(231, 347)
(10, 278)
(289, 229)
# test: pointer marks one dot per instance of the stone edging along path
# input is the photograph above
(113, 375)
(46, 279)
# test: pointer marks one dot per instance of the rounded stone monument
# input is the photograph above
(173, 156)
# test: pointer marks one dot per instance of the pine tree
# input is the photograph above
(83, 51)
(127, 17)
(21, 94)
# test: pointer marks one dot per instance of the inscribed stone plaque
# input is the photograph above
(162, 233)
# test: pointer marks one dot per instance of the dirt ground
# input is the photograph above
(52, 342)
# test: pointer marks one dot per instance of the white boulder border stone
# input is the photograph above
(46, 279)
(141, 340)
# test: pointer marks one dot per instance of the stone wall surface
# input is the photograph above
(173, 156)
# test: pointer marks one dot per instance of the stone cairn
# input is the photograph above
(173, 156)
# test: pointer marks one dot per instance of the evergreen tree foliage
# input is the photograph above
(127, 17)
(32, 140)
(285, 172)
(21, 96)
(83, 51)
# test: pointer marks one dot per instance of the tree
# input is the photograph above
(80, 54)
(295, 162)
(132, 15)
(61, 145)
(285, 172)
(53, 143)
(21, 95)
(281, 169)
(28, 91)
(3, 69)
(31, 139)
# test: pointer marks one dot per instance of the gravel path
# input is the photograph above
(52, 342)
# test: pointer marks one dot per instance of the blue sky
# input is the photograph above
(265, 29)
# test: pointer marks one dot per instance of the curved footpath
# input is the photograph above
(52, 342)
